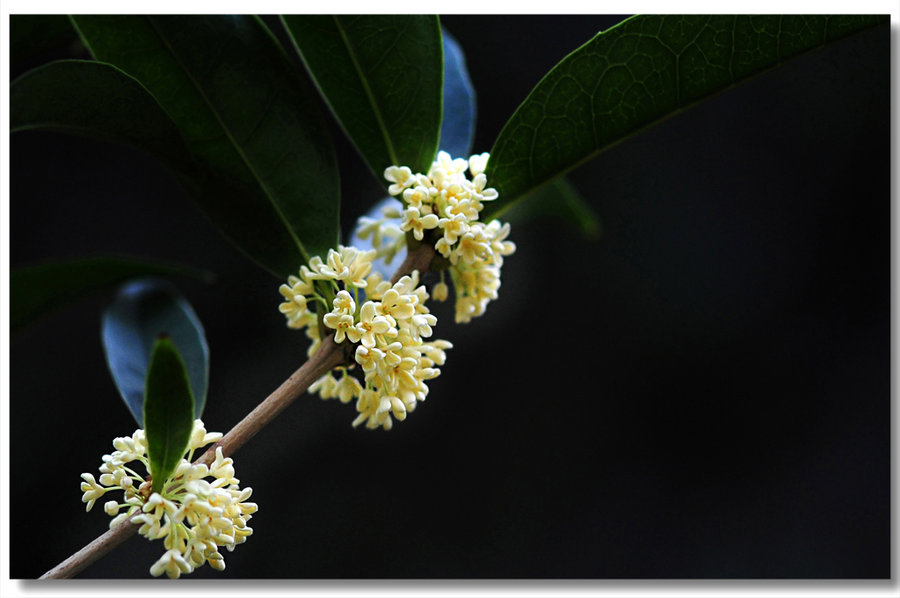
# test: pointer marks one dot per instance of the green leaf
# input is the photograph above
(643, 70)
(143, 310)
(168, 411)
(36, 290)
(382, 75)
(252, 124)
(97, 100)
(559, 200)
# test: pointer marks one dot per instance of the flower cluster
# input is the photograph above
(389, 323)
(193, 515)
(445, 201)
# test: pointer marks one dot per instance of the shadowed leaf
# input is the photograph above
(458, 124)
(142, 311)
(35, 290)
(382, 77)
(269, 175)
(98, 100)
(643, 70)
(559, 200)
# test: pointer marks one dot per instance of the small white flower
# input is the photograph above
(454, 227)
(172, 563)
(371, 324)
(200, 437)
(343, 326)
(348, 388)
(92, 490)
(478, 163)
(343, 303)
(192, 516)
(222, 467)
(440, 291)
(400, 178)
(368, 358)
(413, 220)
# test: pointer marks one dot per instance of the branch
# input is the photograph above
(329, 355)
(417, 259)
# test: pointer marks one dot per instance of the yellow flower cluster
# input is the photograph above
(193, 515)
(446, 201)
(389, 323)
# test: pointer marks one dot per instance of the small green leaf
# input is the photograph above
(560, 200)
(168, 411)
(382, 75)
(143, 310)
(35, 290)
(97, 100)
(270, 174)
(643, 70)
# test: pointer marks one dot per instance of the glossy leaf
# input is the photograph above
(95, 99)
(35, 290)
(168, 410)
(643, 70)
(557, 200)
(271, 179)
(142, 311)
(458, 124)
(382, 77)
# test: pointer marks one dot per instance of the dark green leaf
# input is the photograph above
(142, 311)
(382, 76)
(641, 71)
(559, 200)
(34, 290)
(249, 120)
(458, 124)
(98, 100)
(168, 411)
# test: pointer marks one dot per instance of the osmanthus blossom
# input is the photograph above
(475, 249)
(390, 324)
(194, 515)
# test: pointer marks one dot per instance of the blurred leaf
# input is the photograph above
(142, 311)
(35, 290)
(641, 71)
(458, 124)
(168, 411)
(560, 200)
(31, 35)
(97, 100)
(382, 77)
(272, 181)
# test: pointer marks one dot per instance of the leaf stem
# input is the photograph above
(329, 356)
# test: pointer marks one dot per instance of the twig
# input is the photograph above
(417, 259)
(329, 355)
(76, 563)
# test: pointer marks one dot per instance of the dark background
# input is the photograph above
(704, 392)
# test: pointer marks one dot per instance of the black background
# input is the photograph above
(704, 392)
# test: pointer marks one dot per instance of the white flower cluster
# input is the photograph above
(445, 200)
(194, 516)
(390, 323)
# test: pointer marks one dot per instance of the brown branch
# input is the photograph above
(76, 563)
(417, 259)
(329, 355)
